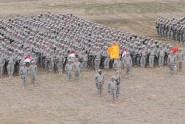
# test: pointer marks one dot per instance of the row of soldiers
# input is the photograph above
(49, 38)
(171, 28)
(10, 64)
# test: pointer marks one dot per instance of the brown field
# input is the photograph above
(150, 96)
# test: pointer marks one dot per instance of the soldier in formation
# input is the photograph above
(128, 64)
(48, 38)
(172, 60)
(173, 28)
(33, 72)
(24, 74)
(77, 69)
(180, 60)
(2, 62)
(69, 70)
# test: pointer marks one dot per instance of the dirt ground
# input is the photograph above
(150, 96)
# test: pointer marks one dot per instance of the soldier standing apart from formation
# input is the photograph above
(99, 79)
(24, 74)
(180, 60)
(112, 88)
(33, 72)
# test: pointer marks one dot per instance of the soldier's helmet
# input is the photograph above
(99, 70)
(112, 78)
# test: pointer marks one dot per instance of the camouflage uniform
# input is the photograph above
(99, 79)
(112, 88)
(180, 60)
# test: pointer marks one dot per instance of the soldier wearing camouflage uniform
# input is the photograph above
(99, 80)
(77, 69)
(151, 57)
(180, 60)
(97, 60)
(128, 64)
(10, 67)
(33, 72)
(51, 64)
(60, 62)
(69, 70)
(84, 61)
(143, 57)
(112, 88)
(24, 74)
(2, 62)
(106, 62)
(172, 62)
(117, 65)
(118, 81)
(161, 57)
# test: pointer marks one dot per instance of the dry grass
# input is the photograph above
(137, 16)
(150, 96)
(145, 98)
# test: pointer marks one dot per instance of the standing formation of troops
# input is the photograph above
(50, 38)
(172, 29)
